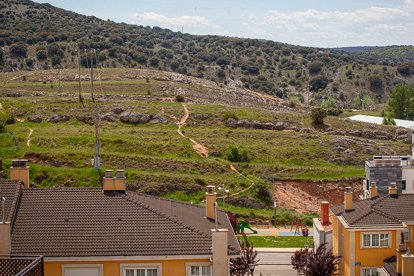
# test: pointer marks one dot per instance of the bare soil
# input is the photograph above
(305, 196)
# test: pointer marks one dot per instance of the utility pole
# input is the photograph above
(93, 99)
(79, 79)
(274, 213)
(96, 157)
(59, 90)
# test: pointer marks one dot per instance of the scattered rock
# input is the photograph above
(14, 94)
(35, 119)
(118, 110)
(202, 117)
(85, 119)
(233, 123)
(56, 118)
(159, 119)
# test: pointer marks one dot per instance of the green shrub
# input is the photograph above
(6, 117)
(318, 115)
(262, 192)
(179, 98)
(334, 112)
(236, 154)
(2, 128)
(229, 115)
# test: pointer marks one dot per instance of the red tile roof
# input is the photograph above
(80, 222)
(382, 211)
(10, 190)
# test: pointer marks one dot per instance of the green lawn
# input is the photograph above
(280, 241)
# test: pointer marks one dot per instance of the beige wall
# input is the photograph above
(113, 268)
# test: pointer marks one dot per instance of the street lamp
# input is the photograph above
(224, 191)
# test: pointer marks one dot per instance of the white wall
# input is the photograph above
(408, 176)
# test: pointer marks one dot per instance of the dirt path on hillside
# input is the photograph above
(28, 137)
(199, 148)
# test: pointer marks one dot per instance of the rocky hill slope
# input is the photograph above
(39, 36)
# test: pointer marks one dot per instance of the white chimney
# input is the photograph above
(220, 252)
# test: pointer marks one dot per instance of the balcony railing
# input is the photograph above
(21, 266)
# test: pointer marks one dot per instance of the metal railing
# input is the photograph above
(21, 266)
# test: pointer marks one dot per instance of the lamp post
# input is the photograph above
(224, 191)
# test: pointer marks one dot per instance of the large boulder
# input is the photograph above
(244, 123)
(108, 117)
(35, 119)
(135, 118)
(231, 123)
(57, 118)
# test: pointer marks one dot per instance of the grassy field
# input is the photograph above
(156, 159)
(280, 241)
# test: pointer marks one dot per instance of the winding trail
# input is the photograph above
(199, 148)
(28, 137)
(203, 151)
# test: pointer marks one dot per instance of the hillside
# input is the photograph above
(172, 134)
(390, 54)
(39, 36)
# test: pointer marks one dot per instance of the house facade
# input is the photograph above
(111, 231)
(374, 236)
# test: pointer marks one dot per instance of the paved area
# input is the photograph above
(274, 263)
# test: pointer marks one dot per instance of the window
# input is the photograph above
(403, 184)
(199, 270)
(375, 240)
(141, 270)
(370, 272)
(407, 235)
(82, 270)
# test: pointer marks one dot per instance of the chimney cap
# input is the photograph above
(211, 189)
(19, 163)
(373, 184)
(348, 189)
(109, 174)
(393, 185)
(120, 173)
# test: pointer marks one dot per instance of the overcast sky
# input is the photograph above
(319, 23)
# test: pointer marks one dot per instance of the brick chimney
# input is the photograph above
(392, 190)
(117, 183)
(5, 231)
(211, 197)
(348, 198)
(220, 252)
(325, 213)
(373, 190)
(20, 171)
